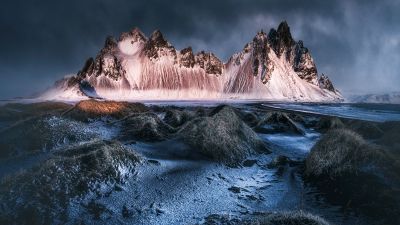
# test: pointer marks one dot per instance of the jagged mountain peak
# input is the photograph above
(110, 43)
(157, 38)
(258, 59)
(187, 58)
(261, 35)
(259, 40)
(300, 44)
(281, 40)
(273, 39)
(186, 50)
(209, 62)
(157, 46)
(260, 53)
(303, 63)
(272, 66)
(136, 34)
(284, 31)
(325, 83)
(247, 48)
(136, 30)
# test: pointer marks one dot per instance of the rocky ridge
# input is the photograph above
(136, 62)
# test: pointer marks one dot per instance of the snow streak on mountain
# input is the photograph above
(272, 66)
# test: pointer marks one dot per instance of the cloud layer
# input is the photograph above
(357, 43)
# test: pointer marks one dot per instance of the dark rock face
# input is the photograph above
(136, 34)
(281, 41)
(285, 38)
(42, 195)
(110, 67)
(187, 57)
(106, 63)
(262, 65)
(273, 40)
(209, 62)
(88, 68)
(110, 44)
(285, 35)
(223, 137)
(303, 63)
(157, 46)
(325, 83)
(157, 39)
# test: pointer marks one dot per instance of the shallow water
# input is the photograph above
(297, 146)
(369, 112)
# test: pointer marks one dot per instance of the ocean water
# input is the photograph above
(365, 111)
(369, 112)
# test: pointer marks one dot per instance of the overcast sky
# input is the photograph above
(356, 43)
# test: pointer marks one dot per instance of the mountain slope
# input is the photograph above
(387, 98)
(273, 67)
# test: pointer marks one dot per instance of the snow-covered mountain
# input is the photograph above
(388, 98)
(272, 66)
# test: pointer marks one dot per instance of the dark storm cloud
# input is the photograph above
(357, 43)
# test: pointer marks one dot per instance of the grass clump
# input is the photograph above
(341, 151)
(327, 122)
(356, 174)
(42, 134)
(93, 109)
(222, 136)
(42, 194)
(146, 127)
(176, 118)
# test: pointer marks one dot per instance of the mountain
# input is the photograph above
(388, 98)
(272, 66)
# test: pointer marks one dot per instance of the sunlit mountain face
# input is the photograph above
(272, 66)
